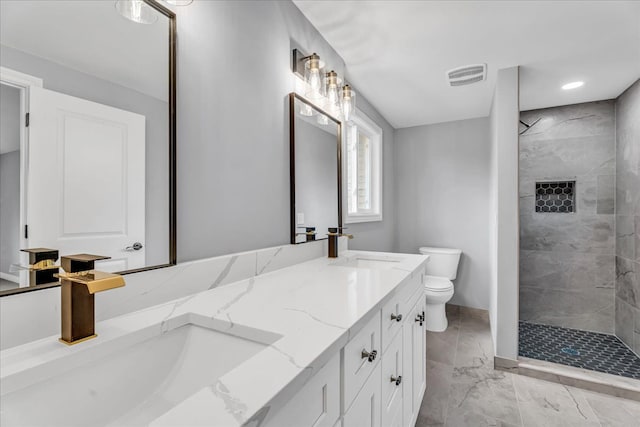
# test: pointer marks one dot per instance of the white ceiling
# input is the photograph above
(397, 52)
(90, 36)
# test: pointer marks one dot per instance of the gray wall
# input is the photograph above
(627, 286)
(233, 177)
(71, 82)
(567, 259)
(443, 188)
(316, 165)
(9, 177)
(503, 221)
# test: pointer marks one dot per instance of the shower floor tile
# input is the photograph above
(580, 349)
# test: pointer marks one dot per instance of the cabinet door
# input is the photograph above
(317, 404)
(407, 367)
(419, 356)
(392, 381)
(357, 366)
(365, 411)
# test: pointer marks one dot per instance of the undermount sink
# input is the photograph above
(134, 386)
(371, 263)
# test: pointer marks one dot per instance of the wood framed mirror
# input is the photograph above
(315, 170)
(88, 159)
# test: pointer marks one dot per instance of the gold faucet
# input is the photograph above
(79, 283)
(42, 265)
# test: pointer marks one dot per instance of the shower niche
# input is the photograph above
(555, 196)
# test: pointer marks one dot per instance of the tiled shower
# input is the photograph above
(579, 223)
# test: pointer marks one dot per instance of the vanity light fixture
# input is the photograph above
(331, 88)
(326, 92)
(348, 102)
(572, 85)
(312, 77)
(137, 11)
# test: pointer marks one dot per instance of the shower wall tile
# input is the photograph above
(636, 219)
(560, 159)
(626, 236)
(570, 121)
(567, 265)
(606, 194)
(578, 309)
(564, 232)
(636, 333)
(627, 281)
(566, 270)
(587, 197)
(627, 318)
(627, 194)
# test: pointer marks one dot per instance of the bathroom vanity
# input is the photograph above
(326, 342)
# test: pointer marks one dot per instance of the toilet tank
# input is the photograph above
(443, 262)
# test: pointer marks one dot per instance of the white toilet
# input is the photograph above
(441, 269)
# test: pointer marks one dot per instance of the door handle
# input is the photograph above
(135, 247)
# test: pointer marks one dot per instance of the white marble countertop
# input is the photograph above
(306, 312)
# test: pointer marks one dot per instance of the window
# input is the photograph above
(363, 169)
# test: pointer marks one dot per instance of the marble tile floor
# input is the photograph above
(463, 389)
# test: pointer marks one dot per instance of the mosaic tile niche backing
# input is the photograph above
(555, 197)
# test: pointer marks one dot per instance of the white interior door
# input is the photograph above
(86, 179)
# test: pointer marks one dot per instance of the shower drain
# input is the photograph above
(570, 351)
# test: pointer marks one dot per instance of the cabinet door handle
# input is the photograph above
(420, 318)
(397, 318)
(370, 356)
(397, 380)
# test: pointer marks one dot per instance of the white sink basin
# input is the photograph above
(371, 263)
(134, 386)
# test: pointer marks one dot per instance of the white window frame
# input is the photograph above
(363, 123)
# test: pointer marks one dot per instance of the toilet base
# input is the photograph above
(436, 317)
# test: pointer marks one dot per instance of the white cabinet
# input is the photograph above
(414, 362)
(419, 345)
(382, 377)
(392, 378)
(361, 355)
(365, 411)
(317, 404)
(392, 317)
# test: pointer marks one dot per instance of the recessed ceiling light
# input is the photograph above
(572, 85)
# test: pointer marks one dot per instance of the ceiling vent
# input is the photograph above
(467, 75)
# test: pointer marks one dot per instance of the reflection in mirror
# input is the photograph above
(87, 136)
(315, 166)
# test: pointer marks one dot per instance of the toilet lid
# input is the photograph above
(434, 283)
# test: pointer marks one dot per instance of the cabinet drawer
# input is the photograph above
(317, 404)
(392, 317)
(365, 411)
(392, 381)
(357, 366)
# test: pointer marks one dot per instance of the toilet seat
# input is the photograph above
(437, 284)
